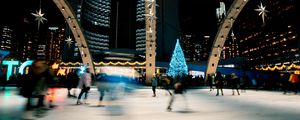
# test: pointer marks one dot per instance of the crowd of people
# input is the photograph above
(40, 78)
(284, 81)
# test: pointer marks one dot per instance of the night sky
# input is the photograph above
(195, 16)
(199, 16)
(17, 12)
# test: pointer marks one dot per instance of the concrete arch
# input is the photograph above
(221, 36)
(77, 32)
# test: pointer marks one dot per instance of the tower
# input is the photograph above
(150, 13)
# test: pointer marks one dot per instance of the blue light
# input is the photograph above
(177, 65)
(25, 64)
(9, 67)
(82, 69)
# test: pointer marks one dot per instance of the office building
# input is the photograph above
(276, 41)
(6, 38)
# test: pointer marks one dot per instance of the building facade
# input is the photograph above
(273, 43)
(54, 43)
(140, 44)
(95, 20)
(6, 38)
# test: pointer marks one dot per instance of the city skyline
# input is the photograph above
(21, 12)
(54, 18)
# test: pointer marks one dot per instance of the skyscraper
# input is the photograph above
(110, 24)
(6, 38)
(107, 24)
(140, 44)
(55, 38)
(95, 20)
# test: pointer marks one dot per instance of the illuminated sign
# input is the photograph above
(12, 63)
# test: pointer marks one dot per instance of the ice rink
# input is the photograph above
(140, 105)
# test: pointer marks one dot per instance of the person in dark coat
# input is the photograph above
(235, 83)
(154, 83)
(179, 89)
(210, 82)
(219, 80)
(72, 83)
(36, 86)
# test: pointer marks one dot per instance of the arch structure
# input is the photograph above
(77, 33)
(221, 36)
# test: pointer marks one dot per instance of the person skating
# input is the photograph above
(154, 82)
(219, 80)
(72, 83)
(85, 84)
(179, 89)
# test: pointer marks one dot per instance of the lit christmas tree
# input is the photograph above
(177, 65)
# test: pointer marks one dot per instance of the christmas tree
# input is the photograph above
(177, 65)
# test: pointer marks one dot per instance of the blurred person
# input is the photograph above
(85, 81)
(51, 86)
(103, 86)
(210, 82)
(294, 81)
(219, 80)
(117, 94)
(227, 80)
(154, 82)
(167, 83)
(244, 82)
(284, 82)
(72, 83)
(35, 85)
(235, 83)
(179, 89)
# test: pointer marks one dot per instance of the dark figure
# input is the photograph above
(154, 82)
(210, 82)
(36, 86)
(166, 83)
(4, 82)
(245, 82)
(179, 88)
(72, 83)
(85, 84)
(219, 80)
(235, 83)
(284, 81)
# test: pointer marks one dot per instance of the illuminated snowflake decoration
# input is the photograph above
(69, 41)
(39, 17)
(150, 15)
(262, 12)
(150, 19)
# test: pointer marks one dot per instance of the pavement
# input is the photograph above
(202, 104)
